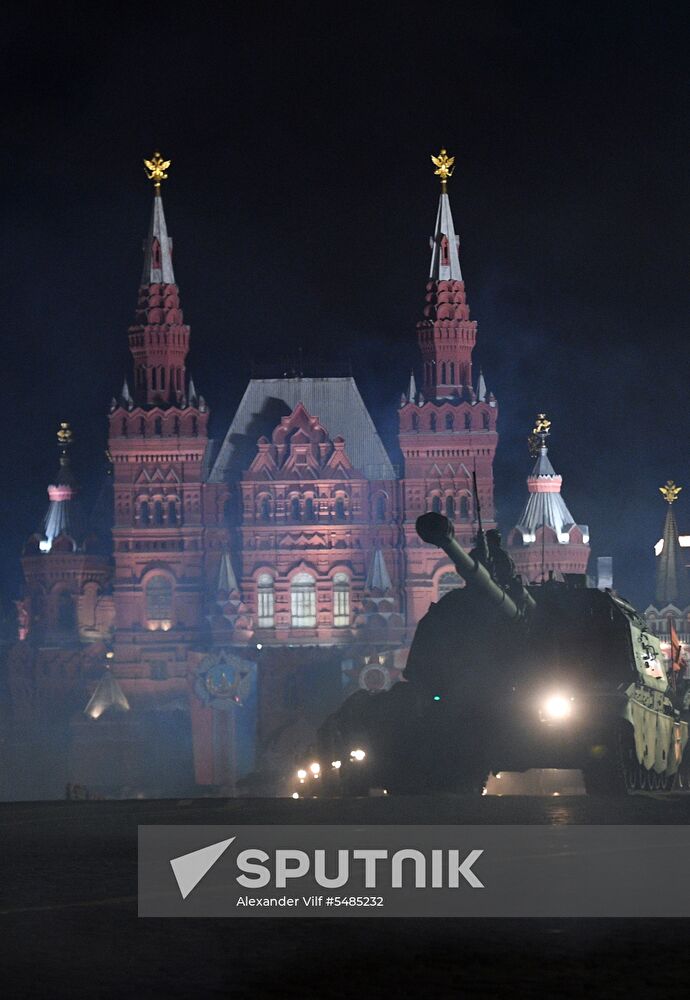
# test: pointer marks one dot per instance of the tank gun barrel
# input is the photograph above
(438, 530)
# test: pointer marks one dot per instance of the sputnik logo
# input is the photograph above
(189, 869)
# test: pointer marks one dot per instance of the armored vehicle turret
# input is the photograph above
(503, 677)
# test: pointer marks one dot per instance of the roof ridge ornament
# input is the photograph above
(444, 167)
(155, 170)
(670, 491)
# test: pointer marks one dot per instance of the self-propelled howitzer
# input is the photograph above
(504, 677)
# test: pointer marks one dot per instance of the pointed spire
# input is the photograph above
(108, 694)
(669, 584)
(193, 398)
(412, 391)
(63, 516)
(125, 395)
(545, 506)
(378, 577)
(481, 387)
(158, 267)
(445, 260)
(227, 581)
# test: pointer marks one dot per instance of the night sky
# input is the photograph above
(301, 199)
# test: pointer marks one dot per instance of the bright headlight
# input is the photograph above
(357, 754)
(315, 768)
(557, 706)
(301, 774)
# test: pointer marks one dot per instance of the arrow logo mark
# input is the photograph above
(189, 869)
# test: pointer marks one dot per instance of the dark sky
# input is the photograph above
(301, 199)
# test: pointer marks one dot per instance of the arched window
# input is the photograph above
(158, 513)
(452, 373)
(158, 426)
(464, 507)
(153, 379)
(265, 601)
(142, 426)
(341, 600)
(265, 509)
(468, 421)
(485, 421)
(176, 425)
(159, 596)
(172, 512)
(449, 421)
(432, 422)
(162, 378)
(450, 507)
(443, 373)
(294, 509)
(444, 251)
(415, 422)
(309, 509)
(124, 427)
(340, 509)
(144, 514)
(448, 582)
(195, 426)
(303, 601)
(380, 508)
(436, 504)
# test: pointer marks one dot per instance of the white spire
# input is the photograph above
(445, 261)
(378, 578)
(226, 575)
(158, 267)
(125, 394)
(412, 391)
(481, 388)
(191, 394)
(108, 694)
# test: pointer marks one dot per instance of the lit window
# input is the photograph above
(341, 600)
(303, 601)
(265, 601)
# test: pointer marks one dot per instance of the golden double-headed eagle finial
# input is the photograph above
(64, 434)
(155, 170)
(444, 167)
(670, 491)
(537, 439)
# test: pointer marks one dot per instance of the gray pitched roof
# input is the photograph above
(335, 401)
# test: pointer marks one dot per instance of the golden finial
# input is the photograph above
(444, 167)
(155, 170)
(670, 491)
(542, 425)
(64, 435)
(537, 439)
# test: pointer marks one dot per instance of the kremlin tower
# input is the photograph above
(546, 539)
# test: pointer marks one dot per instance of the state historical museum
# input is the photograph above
(250, 581)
